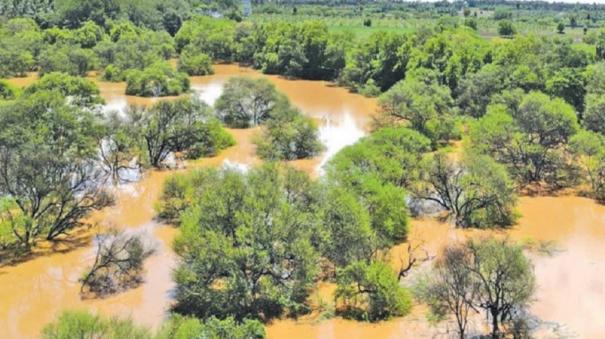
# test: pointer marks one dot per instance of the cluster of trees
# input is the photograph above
(80, 324)
(57, 151)
(251, 243)
(287, 134)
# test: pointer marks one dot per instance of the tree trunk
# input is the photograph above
(495, 327)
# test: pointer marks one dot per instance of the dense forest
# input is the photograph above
(479, 103)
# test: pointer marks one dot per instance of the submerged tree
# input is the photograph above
(488, 274)
(477, 192)
(47, 166)
(371, 291)
(247, 102)
(245, 246)
(183, 125)
(118, 263)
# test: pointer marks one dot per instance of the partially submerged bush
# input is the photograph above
(118, 263)
(290, 136)
(195, 62)
(81, 324)
(157, 80)
(371, 292)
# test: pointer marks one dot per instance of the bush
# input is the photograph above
(79, 91)
(371, 292)
(289, 137)
(179, 327)
(195, 63)
(7, 91)
(81, 324)
(158, 80)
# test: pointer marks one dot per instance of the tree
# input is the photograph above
(247, 102)
(477, 192)
(588, 149)
(77, 90)
(594, 115)
(195, 63)
(47, 166)
(506, 28)
(506, 277)
(119, 149)
(561, 28)
(118, 263)
(245, 246)
(379, 169)
(183, 125)
(157, 80)
(348, 235)
(381, 59)
(288, 135)
(489, 274)
(179, 327)
(426, 106)
(527, 136)
(371, 291)
(451, 287)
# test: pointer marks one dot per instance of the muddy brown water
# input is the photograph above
(571, 279)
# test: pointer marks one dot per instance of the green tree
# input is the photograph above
(288, 135)
(245, 246)
(488, 274)
(425, 105)
(506, 28)
(561, 28)
(183, 125)
(157, 80)
(80, 324)
(41, 131)
(371, 291)
(195, 63)
(507, 280)
(247, 102)
(477, 192)
(528, 138)
(77, 90)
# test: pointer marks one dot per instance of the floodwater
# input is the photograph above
(571, 282)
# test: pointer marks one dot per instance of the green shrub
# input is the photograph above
(158, 80)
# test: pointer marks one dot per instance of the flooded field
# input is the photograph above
(570, 231)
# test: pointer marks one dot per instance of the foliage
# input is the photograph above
(194, 63)
(426, 106)
(81, 324)
(371, 291)
(477, 192)
(182, 125)
(487, 274)
(179, 327)
(379, 61)
(528, 136)
(157, 80)
(247, 102)
(78, 91)
(7, 91)
(245, 245)
(66, 58)
(506, 28)
(288, 135)
(41, 131)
